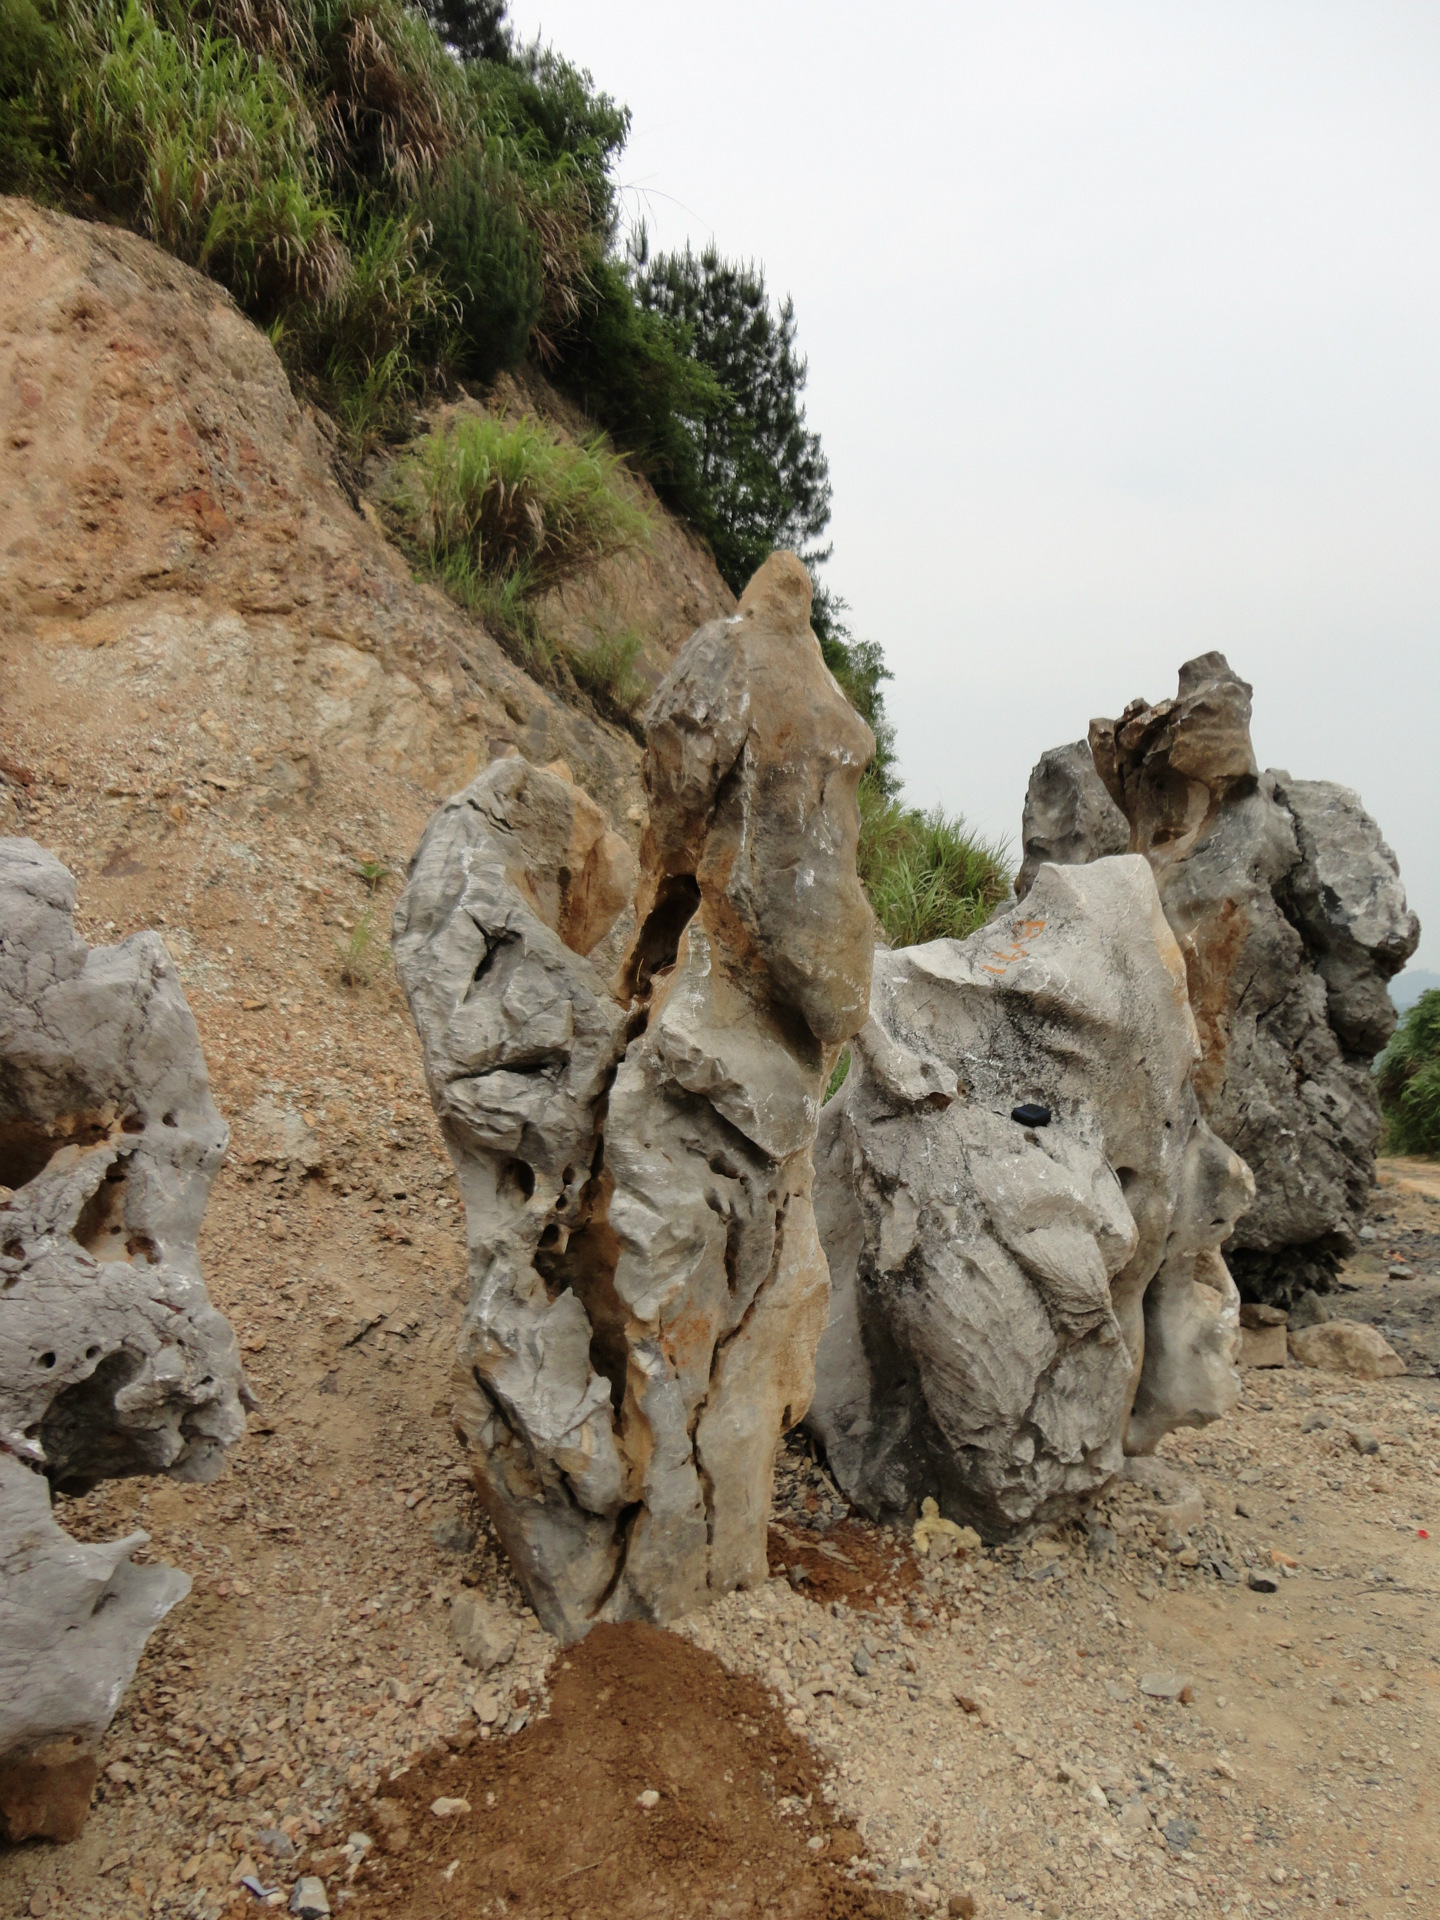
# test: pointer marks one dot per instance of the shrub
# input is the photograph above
(503, 511)
(491, 262)
(631, 370)
(1408, 1079)
(390, 100)
(31, 81)
(927, 878)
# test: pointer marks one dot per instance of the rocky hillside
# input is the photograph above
(179, 556)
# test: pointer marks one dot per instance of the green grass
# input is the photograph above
(358, 956)
(1407, 1078)
(927, 877)
(502, 512)
(606, 668)
(204, 148)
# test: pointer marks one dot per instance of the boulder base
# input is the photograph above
(1346, 1346)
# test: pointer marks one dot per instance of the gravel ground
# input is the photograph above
(314, 1657)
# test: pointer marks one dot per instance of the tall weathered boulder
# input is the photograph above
(647, 1287)
(112, 1359)
(1022, 1209)
(1069, 817)
(1290, 913)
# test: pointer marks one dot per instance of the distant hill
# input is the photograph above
(1407, 987)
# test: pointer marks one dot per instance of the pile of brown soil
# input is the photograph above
(556, 1828)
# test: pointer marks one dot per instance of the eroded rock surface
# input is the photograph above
(73, 1623)
(1018, 1297)
(1069, 817)
(112, 1359)
(1290, 912)
(647, 1286)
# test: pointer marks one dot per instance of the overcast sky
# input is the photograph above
(1123, 323)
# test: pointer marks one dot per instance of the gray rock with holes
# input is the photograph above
(647, 1287)
(1014, 1307)
(112, 1359)
(1289, 908)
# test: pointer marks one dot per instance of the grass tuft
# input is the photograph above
(359, 954)
(502, 512)
(606, 668)
(205, 148)
(927, 877)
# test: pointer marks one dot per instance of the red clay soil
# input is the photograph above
(556, 1832)
(854, 1562)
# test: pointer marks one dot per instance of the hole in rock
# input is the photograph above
(26, 1147)
(79, 1436)
(47, 1359)
(100, 1228)
(659, 938)
(586, 1264)
(517, 1180)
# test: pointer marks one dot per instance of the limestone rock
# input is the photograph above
(1262, 1335)
(484, 1633)
(112, 1359)
(1014, 1305)
(647, 1287)
(73, 1622)
(1289, 909)
(1346, 1346)
(1069, 817)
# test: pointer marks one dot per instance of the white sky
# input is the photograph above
(1123, 321)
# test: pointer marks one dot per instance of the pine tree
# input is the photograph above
(474, 29)
(763, 476)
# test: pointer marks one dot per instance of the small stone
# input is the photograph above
(309, 1899)
(961, 1906)
(484, 1633)
(649, 1799)
(453, 1534)
(270, 1840)
(1162, 1686)
(1315, 1422)
(1309, 1310)
(1135, 1817)
(860, 1661)
(1244, 1512)
(1180, 1833)
(1261, 1582)
(446, 1808)
(1362, 1440)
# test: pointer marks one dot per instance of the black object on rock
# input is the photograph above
(1030, 1115)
